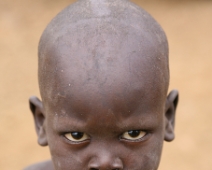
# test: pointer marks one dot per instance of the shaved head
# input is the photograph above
(103, 77)
(96, 41)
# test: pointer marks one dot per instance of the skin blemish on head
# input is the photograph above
(61, 95)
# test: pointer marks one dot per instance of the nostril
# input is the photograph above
(105, 162)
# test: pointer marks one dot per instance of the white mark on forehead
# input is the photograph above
(57, 118)
(63, 112)
(100, 8)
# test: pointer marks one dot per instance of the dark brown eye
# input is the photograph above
(133, 135)
(76, 136)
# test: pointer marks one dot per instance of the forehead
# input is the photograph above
(100, 66)
(103, 58)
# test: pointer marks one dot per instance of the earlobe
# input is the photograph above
(171, 106)
(36, 108)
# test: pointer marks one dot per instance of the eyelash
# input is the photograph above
(142, 138)
(75, 141)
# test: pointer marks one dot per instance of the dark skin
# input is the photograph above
(104, 91)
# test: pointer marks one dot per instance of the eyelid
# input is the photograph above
(141, 137)
(68, 136)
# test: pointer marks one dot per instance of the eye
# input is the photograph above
(76, 136)
(133, 135)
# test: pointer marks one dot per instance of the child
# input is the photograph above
(103, 78)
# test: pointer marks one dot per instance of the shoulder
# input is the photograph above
(47, 165)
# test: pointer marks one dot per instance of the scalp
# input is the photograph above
(83, 28)
(121, 12)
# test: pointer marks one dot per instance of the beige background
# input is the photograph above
(188, 25)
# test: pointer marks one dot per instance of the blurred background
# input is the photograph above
(188, 25)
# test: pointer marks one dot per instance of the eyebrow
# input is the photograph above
(135, 123)
(68, 124)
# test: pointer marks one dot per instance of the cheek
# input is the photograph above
(147, 155)
(65, 156)
(144, 159)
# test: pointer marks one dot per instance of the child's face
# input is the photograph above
(117, 128)
(105, 106)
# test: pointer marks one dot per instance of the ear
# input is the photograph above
(171, 106)
(36, 108)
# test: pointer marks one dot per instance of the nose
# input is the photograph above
(105, 162)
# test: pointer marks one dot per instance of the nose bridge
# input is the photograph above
(105, 158)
